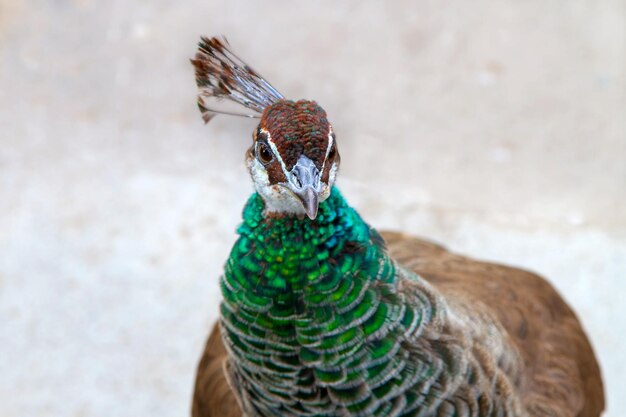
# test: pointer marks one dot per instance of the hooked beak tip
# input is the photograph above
(310, 202)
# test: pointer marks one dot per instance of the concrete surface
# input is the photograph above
(496, 128)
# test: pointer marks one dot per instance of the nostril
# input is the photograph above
(297, 181)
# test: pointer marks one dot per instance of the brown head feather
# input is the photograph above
(297, 128)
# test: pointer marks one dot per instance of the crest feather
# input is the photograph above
(220, 74)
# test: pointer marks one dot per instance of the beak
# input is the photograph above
(304, 181)
(310, 202)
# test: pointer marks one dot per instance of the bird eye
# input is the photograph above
(332, 152)
(263, 153)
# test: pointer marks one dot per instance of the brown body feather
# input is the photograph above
(560, 375)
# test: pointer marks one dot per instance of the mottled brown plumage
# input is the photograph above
(558, 372)
(298, 127)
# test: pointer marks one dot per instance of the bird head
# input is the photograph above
(293, 159)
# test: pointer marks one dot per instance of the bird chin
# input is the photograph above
(281, 200)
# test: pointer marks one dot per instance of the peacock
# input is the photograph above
(324, 316)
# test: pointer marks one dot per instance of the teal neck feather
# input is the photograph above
(281, 260)
(318, 321)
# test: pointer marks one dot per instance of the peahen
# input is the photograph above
(323, 316)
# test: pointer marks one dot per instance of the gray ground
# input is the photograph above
(496, 128)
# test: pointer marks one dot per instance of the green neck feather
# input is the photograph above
(285, 259)
(319, 321)
(310, 311)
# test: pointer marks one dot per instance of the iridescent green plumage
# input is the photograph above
(318, 327)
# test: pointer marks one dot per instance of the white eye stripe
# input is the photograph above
(331, 141)
(272, 146)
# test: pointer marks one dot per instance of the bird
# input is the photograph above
(322, 315)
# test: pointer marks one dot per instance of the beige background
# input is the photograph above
(494, 127)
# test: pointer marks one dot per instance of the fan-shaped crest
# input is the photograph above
(221, 74)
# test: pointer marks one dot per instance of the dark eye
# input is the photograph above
(332, 152)
(263, 153)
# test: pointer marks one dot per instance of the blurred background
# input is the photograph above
(495, 128)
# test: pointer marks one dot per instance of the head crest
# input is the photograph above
(220, 74)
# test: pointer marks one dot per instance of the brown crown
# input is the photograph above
(297, 128)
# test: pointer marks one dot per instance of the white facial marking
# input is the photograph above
(331, 140)
(272, 146)
(333, 173)
(278, 198)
